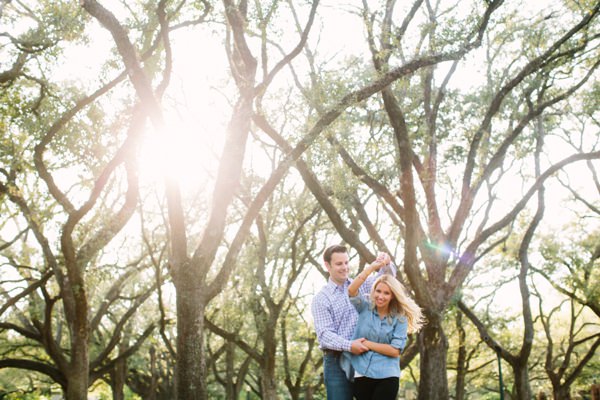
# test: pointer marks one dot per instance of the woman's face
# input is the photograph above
(382, 296)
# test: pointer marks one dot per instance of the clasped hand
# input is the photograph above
(359, 346)
(381, 260)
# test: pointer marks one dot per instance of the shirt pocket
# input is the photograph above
(389, 330)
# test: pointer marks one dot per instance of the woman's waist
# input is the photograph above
(372, 363)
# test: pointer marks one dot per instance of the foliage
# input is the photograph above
(441, 166)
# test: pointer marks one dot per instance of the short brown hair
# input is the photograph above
(336, 248)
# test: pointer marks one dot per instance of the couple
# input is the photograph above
(362, 325)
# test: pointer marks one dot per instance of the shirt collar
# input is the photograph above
(388, 318)
(333, 286)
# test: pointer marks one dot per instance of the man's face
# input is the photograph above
(338, 267)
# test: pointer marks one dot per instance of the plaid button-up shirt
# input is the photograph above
(334, 316)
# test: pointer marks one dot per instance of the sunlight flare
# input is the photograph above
(180, 152)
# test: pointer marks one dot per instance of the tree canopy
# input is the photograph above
(171, 171)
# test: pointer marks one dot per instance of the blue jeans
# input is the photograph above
(338, 387)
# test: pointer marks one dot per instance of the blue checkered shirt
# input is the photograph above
(333, 314)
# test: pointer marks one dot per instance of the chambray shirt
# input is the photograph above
(333, 314)
(372, 364)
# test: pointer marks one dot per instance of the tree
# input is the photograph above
(54, 134)
(566, 359)
(519, 361)
(191, 271)
(404, 145)
(266, 286)
(428, 132)
(572, 273)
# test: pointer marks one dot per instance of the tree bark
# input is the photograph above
(77, 317)
(77, 386)
(230, 372)
(269, 386)
(522, 388)
(153, 375)
(562, 393)
(190, 374)
(118, 376)
(267, 380)
(433, 384)
(308, 393)
(461, 362)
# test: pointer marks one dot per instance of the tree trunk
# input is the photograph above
(269, 388)
(461, 362)
(77, 387)
(117, 379)
(308, 394)
(267, 380)
(153, 375)
(294, 393)
(562, 393)
(78, 377)
(118, 375)
(522, 387)
(230, 371)
(433, 384)
(191, 365)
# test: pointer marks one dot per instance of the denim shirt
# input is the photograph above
(372, 364)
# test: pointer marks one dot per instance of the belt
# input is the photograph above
(335, 353)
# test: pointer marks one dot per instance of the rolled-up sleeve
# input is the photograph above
(399, 334)
(389, 269)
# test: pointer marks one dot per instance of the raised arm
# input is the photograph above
(381, 260)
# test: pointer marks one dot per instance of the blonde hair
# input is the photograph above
(401, 304)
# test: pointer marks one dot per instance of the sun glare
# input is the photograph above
(181, 152)
(196, 115)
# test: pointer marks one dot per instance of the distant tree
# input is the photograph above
(567, 358)
(573, 273)
(266, 288)
(150, 374)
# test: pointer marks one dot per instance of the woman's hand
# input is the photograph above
(381, 260)
(382, 348)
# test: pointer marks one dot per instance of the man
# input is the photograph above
(335, 320)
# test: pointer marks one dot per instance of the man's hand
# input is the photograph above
(358, 347)
(381, 260)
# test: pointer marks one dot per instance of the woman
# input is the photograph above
(385, 318)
